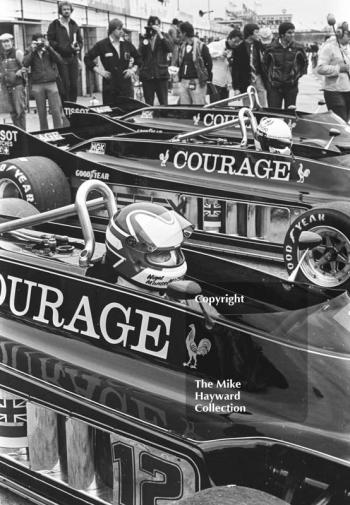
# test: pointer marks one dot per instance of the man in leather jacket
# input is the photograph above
(65, 38)
(285, 62)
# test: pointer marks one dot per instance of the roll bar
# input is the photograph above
(251, 93)
(84, 217)
(244, 115)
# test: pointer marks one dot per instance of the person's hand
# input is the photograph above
(156, 28)
(105, 74)
(129, 72)
(75, 46)
(20, 72)
(344, 67)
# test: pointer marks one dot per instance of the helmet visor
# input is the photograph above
(162, 232)
(166, 258)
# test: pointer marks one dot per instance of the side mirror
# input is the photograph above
(309, 240)
(183, 290)
(333, 132)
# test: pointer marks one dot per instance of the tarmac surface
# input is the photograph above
(309, 94)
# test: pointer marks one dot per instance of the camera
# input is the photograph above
(39, 44)
(149, 31)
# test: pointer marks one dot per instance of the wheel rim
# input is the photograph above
(328, 264)
(8, 189)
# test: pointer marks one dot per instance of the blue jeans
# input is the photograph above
(17, 101)
(48, 90)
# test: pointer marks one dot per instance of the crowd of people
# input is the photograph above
(177, 59)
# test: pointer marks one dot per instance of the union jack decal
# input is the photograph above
(13, 422)
(211, 208)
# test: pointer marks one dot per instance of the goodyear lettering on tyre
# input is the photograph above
(303, 223)
(19, 179)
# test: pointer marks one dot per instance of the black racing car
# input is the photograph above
(240, 199)
(114, 394)
(310, 128)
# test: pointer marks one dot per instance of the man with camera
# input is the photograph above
(154, 49)
(12, 80)
(65, 38)
(119, 59)
(43, 61)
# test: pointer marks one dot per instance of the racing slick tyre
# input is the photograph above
(328, 264)
(36, 179)
(231, 495)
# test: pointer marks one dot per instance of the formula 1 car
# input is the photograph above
(121, 396)
(310, 128)
(240, 199)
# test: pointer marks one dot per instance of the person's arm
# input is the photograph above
(51, 35)
(165, 40)
(90, 62)
(304, 62)
(54, 56)
(129, 72)
(208, 62)
(80, 39)
(19, 58)
(324, 66)
(28, 56)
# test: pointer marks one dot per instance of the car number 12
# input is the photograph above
(145, 475)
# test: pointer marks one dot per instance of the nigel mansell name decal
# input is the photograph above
(262, 168)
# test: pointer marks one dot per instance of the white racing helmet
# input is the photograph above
(143, 242)
(274, 135)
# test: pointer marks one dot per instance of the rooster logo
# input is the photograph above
(195, 350)
(164, 158)
(196, 119)
(302, 173)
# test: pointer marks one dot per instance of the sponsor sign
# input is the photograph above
(102, 109)
(147, 114)
(8, 138)
(263, 168)
(92, 174)
(74, 110)
(97, 148)
(114, 319)
(49, 136)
